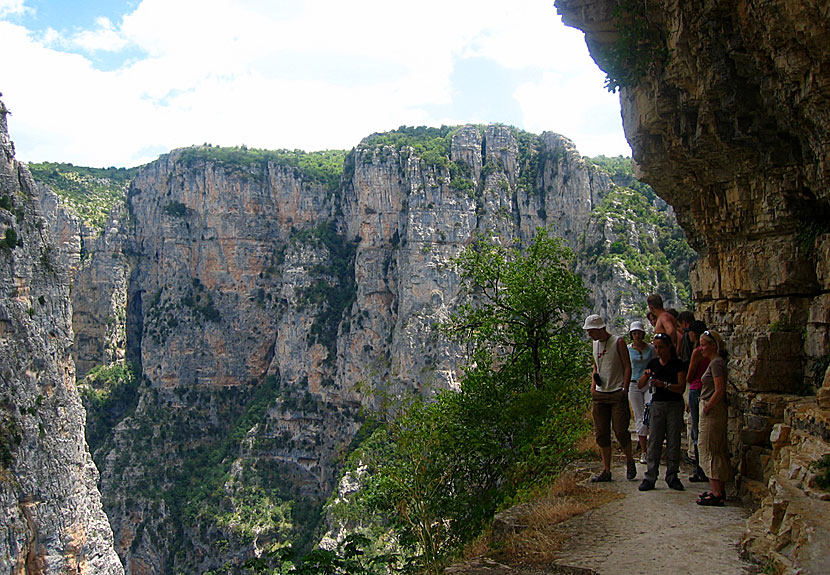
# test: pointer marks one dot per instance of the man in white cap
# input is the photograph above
(609, 395)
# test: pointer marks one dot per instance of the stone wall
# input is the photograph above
(729, 123)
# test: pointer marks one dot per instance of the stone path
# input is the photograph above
(656, 532)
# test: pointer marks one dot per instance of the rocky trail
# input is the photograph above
(659, 531)
(642, 533)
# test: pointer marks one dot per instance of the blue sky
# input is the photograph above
(104, 83)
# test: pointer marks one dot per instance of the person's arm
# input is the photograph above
(644, 378)
(693, 363)
(680, 387)
(593, 377)
(720, 390)
(622, 350)
(671, 328)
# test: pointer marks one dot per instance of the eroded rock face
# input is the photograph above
(730, 125)
(53, 522)
(267, 309)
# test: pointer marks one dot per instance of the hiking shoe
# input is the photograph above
(676, 484)
(601, 477)
(646, 485)
(644, 458)
(631, 470)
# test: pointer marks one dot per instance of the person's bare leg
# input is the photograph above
(718, 487)
(605, 452)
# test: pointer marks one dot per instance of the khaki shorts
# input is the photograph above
(611, 410)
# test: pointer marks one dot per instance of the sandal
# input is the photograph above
(712, 500)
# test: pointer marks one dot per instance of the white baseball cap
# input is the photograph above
(636, 326)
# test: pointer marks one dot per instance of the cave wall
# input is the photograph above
(727, 110)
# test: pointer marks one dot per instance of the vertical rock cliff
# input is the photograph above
(269, 302)
(727, 108)
(49, 500)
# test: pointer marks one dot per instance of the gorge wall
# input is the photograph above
(727, 108)
(265, 302)
(52, 518)
(268, 305)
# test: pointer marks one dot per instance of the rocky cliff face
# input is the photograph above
(52, 516)
(267, 306)
(727, 111)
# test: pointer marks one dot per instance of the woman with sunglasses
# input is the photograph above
(712, 442)
(666, 374)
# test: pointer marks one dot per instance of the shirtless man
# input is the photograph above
(666, 322)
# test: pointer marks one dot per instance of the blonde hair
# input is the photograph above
(717, 339)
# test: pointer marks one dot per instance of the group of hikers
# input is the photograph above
(652, 378)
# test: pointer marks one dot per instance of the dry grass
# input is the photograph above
(541, 537)
(588, 445)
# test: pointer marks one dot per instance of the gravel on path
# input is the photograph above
(656, 532)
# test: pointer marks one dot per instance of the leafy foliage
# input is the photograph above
(822, 469)
(109, 393)
(439, 470)
(10, 239)
(324, 167)
(640, 46)
(335, 290)
(92, 192)
(432, 145)
(520, 299)
(647, 240)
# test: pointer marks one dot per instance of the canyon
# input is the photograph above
(266, 304)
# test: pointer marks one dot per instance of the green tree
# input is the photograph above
(441, 469)
(521, 300)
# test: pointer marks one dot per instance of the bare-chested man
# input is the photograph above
(666, 322)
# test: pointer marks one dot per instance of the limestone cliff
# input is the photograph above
(727, 108)
(52, 517)
(269, 302)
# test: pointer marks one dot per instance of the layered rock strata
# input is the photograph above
(727, 109)
(267, 308)
(53, 521)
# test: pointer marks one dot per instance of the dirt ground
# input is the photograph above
(656, 532)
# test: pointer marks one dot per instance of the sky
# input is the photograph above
(104, 83)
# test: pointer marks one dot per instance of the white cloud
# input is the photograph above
(298, 74)
(104, 37)
(576, 106)
(8, 7)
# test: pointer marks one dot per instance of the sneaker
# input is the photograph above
(646, 485)
(644, 458)
(631, 470)
(601, 477)
(676, 484)
(697, 478)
